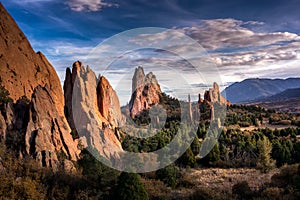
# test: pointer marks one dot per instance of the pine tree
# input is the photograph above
(195, 146)
(130, 187)
(264, 147)
(188, 158)
(4, 94)
(212, 156)
(168, 175)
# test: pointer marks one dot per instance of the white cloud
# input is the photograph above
(88, 5)
(242, 45)
(223, 33)
(238, 50)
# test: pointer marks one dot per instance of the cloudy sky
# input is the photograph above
(242, 38)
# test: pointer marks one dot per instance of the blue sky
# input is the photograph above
(245, 39)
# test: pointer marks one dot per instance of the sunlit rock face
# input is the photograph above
(22, 69)
(93, 107)
(212, 97)
(145, 92)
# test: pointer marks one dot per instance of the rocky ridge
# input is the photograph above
(48, 135)
(36, 129)
(38, 121)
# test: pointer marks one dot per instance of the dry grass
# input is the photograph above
(213, 183)
(224, 179)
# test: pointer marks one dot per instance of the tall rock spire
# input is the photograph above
(212, 96)
(68, 91)
(145, 92)
(108, 102)
(93, 107)
(190, 107)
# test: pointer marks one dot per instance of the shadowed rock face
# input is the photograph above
(96, 110)
(48, 134)
(68, 91)
(21, 69)
(145, 92)
(14, 120)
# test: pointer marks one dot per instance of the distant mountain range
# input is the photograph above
(257, 89)
(283, 96)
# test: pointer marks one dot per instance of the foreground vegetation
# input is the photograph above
(255, 163)
(24, 179)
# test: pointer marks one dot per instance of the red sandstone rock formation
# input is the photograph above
(21, 69)
(48, 134)
(145, 92)
(35, 126)
(95, 110)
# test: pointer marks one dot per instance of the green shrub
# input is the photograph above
(242, 190)
(129, 187)
(4, 95)
(168, 175)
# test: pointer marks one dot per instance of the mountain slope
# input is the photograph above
(286, 101)
(283, 96)
(252, 89)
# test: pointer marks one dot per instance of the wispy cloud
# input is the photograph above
(232, 43)
(88, 5)
(225, 33)
(236, 47)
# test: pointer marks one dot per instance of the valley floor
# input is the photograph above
(212, 180)
(216, 178)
